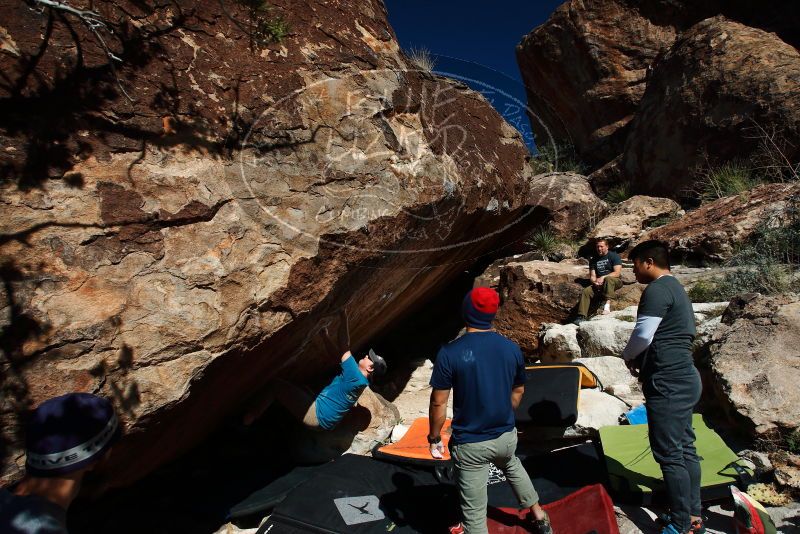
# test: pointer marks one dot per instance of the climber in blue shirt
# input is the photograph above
(327, 408)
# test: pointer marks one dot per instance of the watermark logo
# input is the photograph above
(344, 155)
(357, 510)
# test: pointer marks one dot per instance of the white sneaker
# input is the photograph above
(607, 308)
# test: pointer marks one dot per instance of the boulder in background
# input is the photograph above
(755, 361)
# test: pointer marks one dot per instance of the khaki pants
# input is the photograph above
(610, 286)
(471, 461)
(298, 401)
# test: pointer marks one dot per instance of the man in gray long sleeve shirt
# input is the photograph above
(660, 352)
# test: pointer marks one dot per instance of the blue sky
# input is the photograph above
(478, 33)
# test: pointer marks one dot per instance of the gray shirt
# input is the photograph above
(30, 514)
(670, 352)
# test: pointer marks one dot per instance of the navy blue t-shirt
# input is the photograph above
(481, 368)
(604, 265)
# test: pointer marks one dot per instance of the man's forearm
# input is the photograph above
(516, 396)
(437, 413)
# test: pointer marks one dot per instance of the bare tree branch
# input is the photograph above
(95, 23)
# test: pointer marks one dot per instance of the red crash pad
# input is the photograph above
(588, 510)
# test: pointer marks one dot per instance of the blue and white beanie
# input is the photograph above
(67, 433)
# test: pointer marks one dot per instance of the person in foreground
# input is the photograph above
(660, 353)
(604, 273)
(486, 372)
(325, 410)
(66, 437)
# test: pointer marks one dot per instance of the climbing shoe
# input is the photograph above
(541, 526)
(671, 529)
(698, 527)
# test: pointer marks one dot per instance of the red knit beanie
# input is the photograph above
(479, 307)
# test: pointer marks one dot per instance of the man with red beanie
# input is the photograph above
(486, 372)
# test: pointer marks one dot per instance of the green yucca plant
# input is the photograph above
(619, 193)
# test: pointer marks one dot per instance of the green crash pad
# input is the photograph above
(634, 474)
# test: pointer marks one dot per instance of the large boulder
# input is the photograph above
(586, 68)
(611, 370)
(533, 293)
(572, 205)
(596, 409)
(720, 87)
(632, 216)
(713, 231)
(177, 248)
(606, 335)
(755, 361)
(558, 343)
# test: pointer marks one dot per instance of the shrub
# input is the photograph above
(793, 442)
(619, 193)
(273, 29)
(704, 291)
(557, 158)
(780, 237)
(764, 275)
(731, 178)
(660, 221)
(771, 160)
(263, 28)
(543, 241)
(422, 59)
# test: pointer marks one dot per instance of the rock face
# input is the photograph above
(611, 370)
(638, 87)
(630, 218)
(586, 72)
(710, 89)
(596, 409)
(414, 400)
(756, 363)
(177, 250)
(712, 231)
(572, 205)
(606, 335)
(533, 293)
(558, 343)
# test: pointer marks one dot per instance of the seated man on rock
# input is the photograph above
(327, 408)
(604, 273)
(66, 437)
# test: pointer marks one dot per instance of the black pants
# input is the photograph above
(670, 400)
